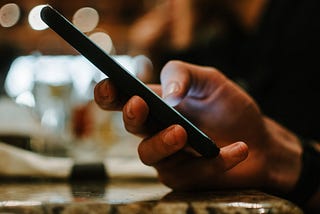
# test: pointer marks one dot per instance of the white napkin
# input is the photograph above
(17, 119)
(16, 162)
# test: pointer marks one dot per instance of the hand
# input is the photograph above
(269, 159)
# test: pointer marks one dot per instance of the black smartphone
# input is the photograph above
(161, 114)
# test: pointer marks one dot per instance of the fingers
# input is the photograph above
(194, 173)
(135, 113)
(135, 110)
(106, 96)
(183, 171)
(159, 147)
(232, 155)
(162, 145)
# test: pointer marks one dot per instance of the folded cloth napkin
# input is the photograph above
(16, 162)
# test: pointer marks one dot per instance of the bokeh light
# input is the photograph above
(9, 15)
(86, 19)
(35, 20)
(103, 40)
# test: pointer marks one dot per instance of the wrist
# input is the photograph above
(293, 166)
(283, 158)
(306, 190)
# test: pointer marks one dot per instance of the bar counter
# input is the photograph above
(131, 196)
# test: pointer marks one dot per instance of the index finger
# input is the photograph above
(107, 97)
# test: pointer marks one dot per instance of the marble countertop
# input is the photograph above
(131, 196)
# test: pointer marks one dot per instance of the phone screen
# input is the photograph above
(161, 114)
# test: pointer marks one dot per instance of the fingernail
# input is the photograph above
(103, 88)
(172, 88)
(129, 111)
(169, 137)
(240, 150)
(102, 84)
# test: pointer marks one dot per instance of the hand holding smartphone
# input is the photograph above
(160, 113)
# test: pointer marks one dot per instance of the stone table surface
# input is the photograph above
(130, 196)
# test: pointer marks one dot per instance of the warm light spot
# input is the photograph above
(9, 15)
(86, 19)
(103, 40)
(35, 20)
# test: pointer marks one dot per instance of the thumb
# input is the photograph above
(175, 82)
(171, 93)
(233, 154)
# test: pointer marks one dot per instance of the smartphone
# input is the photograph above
(161, 114)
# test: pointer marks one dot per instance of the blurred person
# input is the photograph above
(262, 110)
